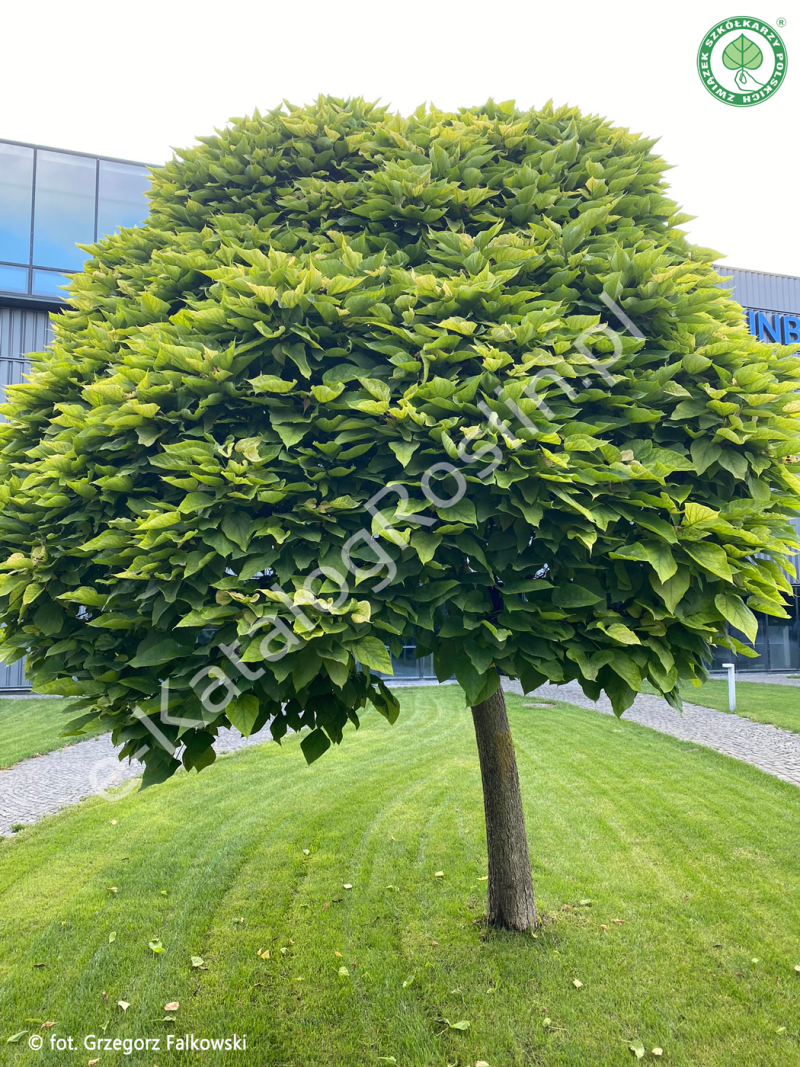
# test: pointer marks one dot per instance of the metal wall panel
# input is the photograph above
(766, 292)
(21, 331)
(13, 677)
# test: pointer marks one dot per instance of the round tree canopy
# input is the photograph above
(452, 380)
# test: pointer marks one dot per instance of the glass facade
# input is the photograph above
(50, 202)
(407, 668)
(16, 202)
(777, 643)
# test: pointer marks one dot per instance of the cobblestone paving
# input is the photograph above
(770, 749)
(45, 784)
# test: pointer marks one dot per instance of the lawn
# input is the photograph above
(668, 876)
(31, 726)
(759, 701)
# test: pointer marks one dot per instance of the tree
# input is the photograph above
(363, 380)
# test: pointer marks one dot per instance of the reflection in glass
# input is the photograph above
(784, 652)
(405, 665)
(121, 200)
(48, 282)
(64, 210)
(16, 190)
(13, 279)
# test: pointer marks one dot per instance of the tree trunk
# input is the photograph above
(510, 892)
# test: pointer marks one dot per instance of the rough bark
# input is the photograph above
(510, 891)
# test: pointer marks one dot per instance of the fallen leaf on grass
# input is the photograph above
(346, 885)
(484, 878)
(481, 1063)
(619, 922)
(111, 889)
(156, 946)
(797, 967)
(16, 1038)
(172, 1006)
(47, 1026)
(408, 981)
(603, 926)
(435, 944)
(577, 983)
(637, 1048)
(40, 965)
(439, 874)
(112, 937)
(343, 972)
(113, 822)
(462, 1024)
(394, 888)
(755, 959)
(306, 851)
(199, 963)
(92, 1063)
(781, 1030)
(337, 953)
(658, 1052)
(123, 1004)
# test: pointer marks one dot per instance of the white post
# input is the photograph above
(731, 669)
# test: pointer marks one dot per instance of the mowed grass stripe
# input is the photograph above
(690, 849)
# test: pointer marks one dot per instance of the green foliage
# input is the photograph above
(328, 302)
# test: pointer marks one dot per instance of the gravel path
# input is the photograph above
(755, 676)
(44, 784)
(770, 749)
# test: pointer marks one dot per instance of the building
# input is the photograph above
(51, 201)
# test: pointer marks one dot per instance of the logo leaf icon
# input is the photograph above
(742, 53)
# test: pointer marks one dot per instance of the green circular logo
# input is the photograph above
(742, 61)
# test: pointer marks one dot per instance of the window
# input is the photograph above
(13, 279)
(64, 209)
(16, 192)
(121, 200)
(48, 282)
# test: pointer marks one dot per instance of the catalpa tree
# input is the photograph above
(362, 381)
